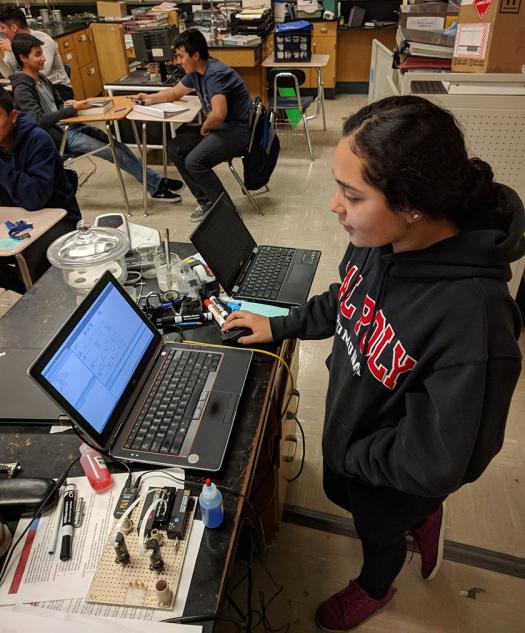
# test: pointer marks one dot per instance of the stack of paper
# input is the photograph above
(160, 110)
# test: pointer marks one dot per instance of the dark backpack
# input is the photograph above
(259, 162)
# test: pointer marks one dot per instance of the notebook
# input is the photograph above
(135, 395)
(264, 274)
(22, 402)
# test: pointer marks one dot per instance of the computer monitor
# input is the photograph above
(155, 45)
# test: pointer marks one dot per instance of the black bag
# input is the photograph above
(260, 161)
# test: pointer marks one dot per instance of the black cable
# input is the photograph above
(192, 619)
(303, 455)
(37, 512)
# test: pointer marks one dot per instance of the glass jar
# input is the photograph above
(85, 255)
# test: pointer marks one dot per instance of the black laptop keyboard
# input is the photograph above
(267, 272)
(428, 87)
(176, 399)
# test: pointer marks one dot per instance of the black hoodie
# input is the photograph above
(424, 409)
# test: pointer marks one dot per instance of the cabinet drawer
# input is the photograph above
(324, 29)
(82, 47)
(91, 80)
(65, 44)
(70, 58)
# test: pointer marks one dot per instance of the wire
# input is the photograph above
(192, 619)
(304, 452)
(37, 512)
(257, 351)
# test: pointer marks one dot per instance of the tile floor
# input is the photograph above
(310, 564)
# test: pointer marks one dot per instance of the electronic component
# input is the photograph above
(151, 577)
(156, 563)
(121, 550)
(154, 494)
(177, 522)
(127, 497)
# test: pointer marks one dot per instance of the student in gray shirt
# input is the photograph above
(225, 132)
(35, 95)
(13, 22)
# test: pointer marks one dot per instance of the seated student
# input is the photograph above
(225, 132)
(32, 176)
(12, 22)
(35, 95)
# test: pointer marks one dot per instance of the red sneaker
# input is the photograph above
(348, 608)
(430, 538)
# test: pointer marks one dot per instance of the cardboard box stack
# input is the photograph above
(490, 37)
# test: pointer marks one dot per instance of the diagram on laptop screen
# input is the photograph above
(97, 360)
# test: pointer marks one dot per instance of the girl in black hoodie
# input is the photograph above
(424, 359)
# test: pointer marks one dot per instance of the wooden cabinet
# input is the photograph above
(77, 50)
(354, 48)
(324, 42)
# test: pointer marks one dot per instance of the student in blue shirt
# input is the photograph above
(32, 176)
(225, 132)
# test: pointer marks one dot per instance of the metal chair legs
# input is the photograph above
(243, 187)
(307, 134)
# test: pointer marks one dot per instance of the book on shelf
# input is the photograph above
(412, 62)
(161, 110)
(356, 16)
(430, 50)
(97, 105)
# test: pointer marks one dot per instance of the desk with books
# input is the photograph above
(189, 108)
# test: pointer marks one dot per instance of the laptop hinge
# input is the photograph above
(242, 274)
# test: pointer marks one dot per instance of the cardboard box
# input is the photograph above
(490, 37)
(108, 9)
(427, 16)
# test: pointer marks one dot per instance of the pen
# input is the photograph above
(68, 519)
(58, 521)
(120, 109)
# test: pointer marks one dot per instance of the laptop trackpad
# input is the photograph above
(221, 406)
(299, 278)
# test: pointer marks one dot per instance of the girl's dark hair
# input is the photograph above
(414, 153)
(23, 44)
(193, 41)
(6, 101)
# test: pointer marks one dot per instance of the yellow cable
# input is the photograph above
(253, 349)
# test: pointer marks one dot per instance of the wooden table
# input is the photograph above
(317, 62)
(122, 106)
(175, 121)
(254, 471)
(42, 221)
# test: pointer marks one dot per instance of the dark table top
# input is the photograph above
(32, 321)
(59, 29)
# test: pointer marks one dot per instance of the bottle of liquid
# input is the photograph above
(210, 501)
(95, 468)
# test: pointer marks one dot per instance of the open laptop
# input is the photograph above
(133, 394)
(265, 274)
(22, 402)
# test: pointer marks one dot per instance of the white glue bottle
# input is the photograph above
(210, 501)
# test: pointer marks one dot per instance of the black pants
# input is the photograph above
(382, 516)
(195, 155)
(35, 256)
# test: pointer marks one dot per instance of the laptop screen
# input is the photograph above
(95, 359)
(224, 242)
